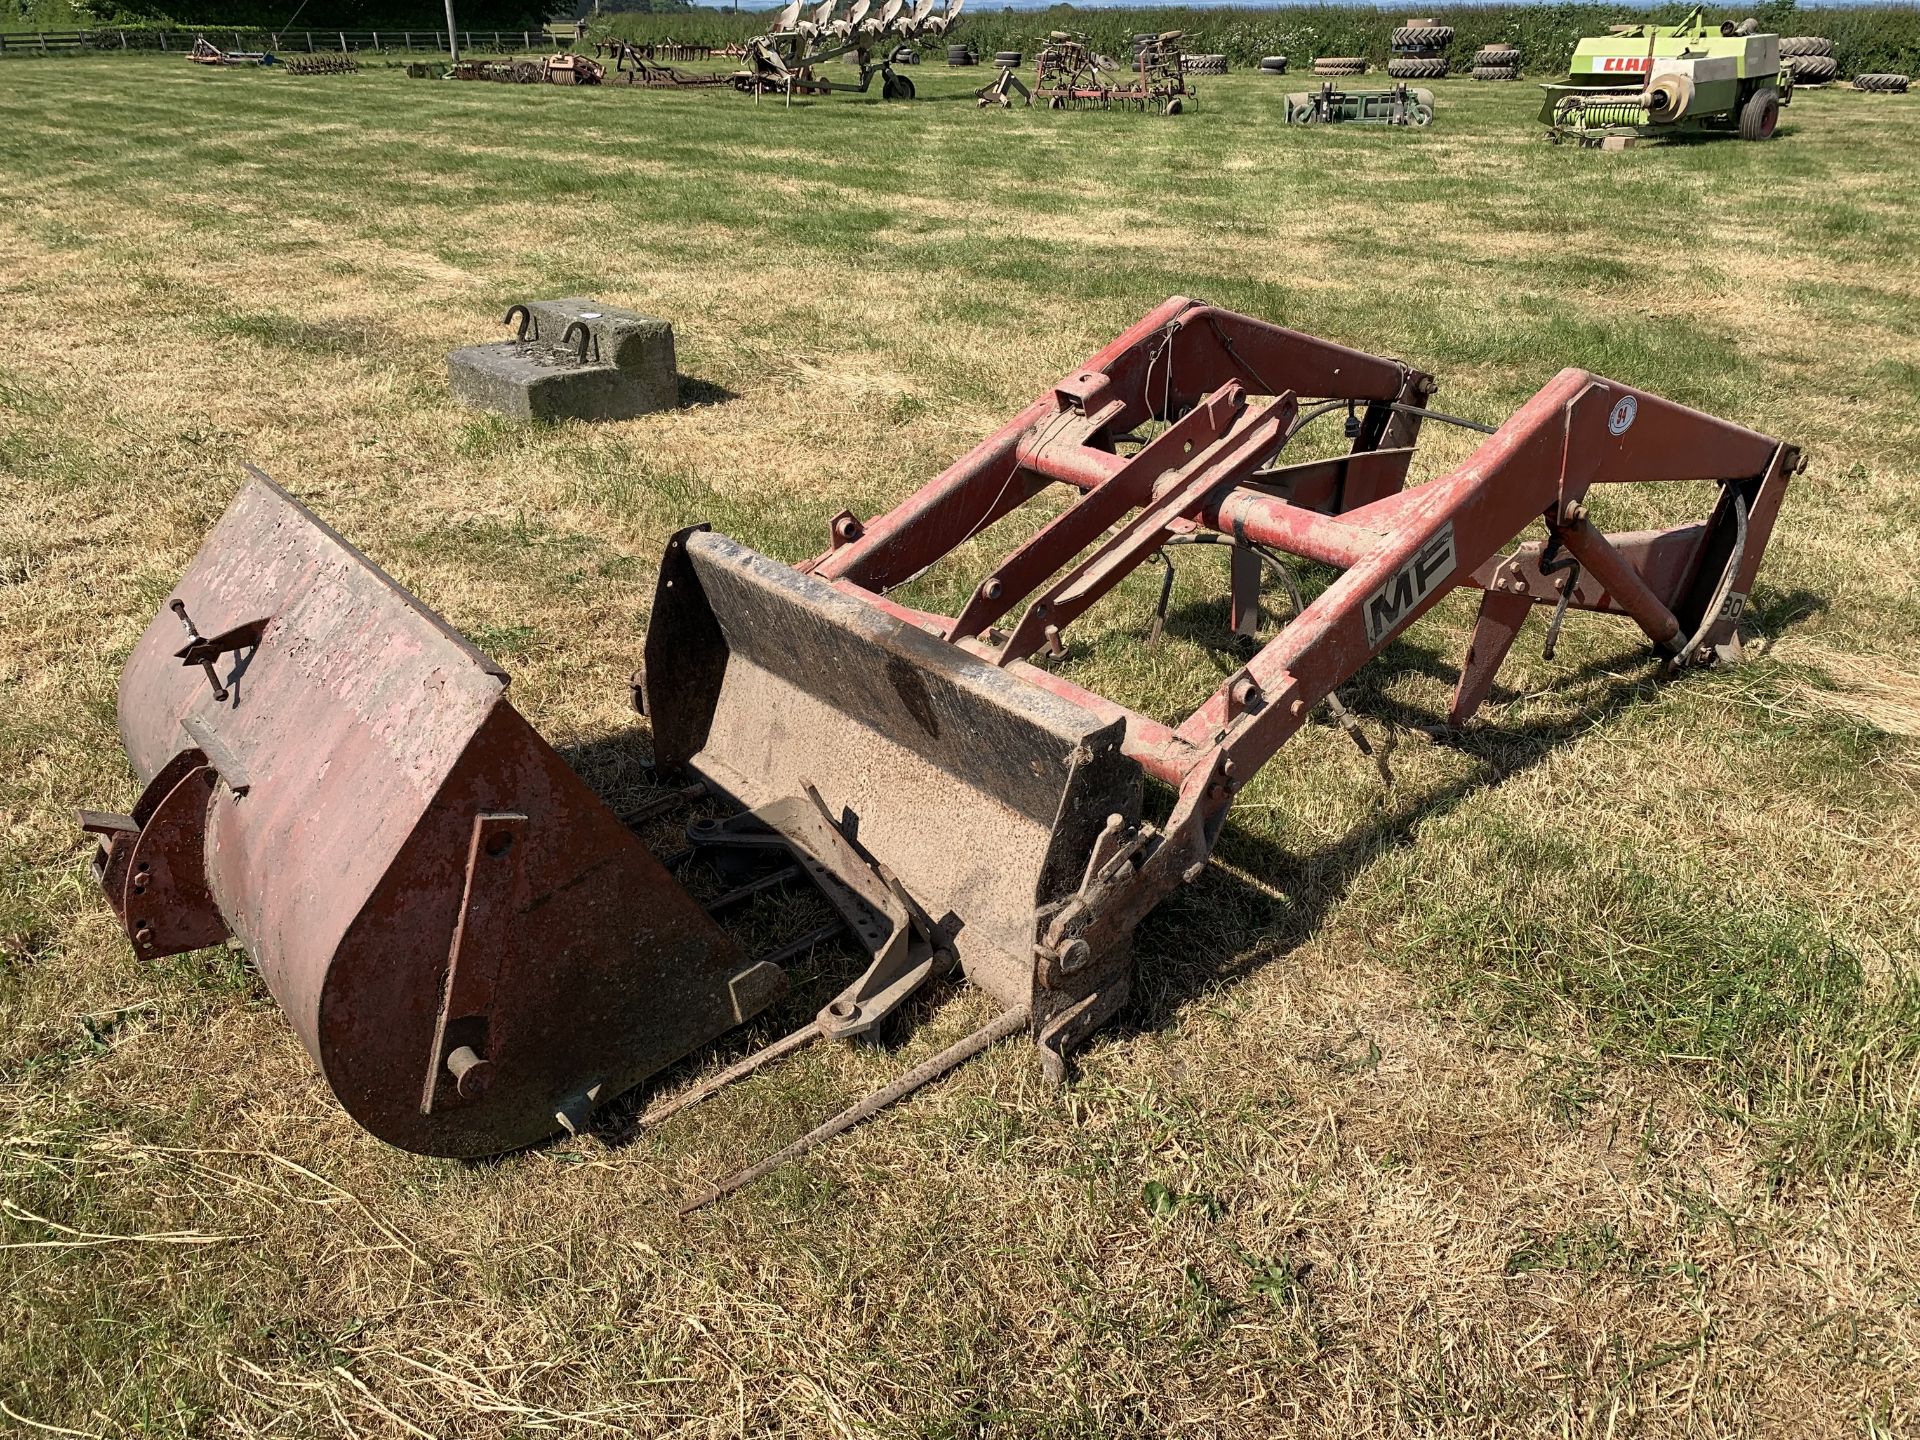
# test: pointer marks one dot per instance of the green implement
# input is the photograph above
(1328, 106)
(1660, 80)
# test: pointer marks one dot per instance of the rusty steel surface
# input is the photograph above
(417, 874)
(1005, 795)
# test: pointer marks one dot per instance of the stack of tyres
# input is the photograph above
(1204, 64)
(1273, 65)
(1420, 51)
(1498, 61)
(962, 55)
(1883, 84)
(1809, 59)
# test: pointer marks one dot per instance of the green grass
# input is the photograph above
(1566, 1087)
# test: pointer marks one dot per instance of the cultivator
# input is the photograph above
(476, 950)
(633, 68)
(1070, 75)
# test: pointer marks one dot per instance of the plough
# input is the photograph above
(785, 60)
(476, 950)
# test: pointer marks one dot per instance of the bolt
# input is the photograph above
(1074, 955)
(142, 933)
(471, 1074)
(1193, 872)
(1297, 709)
(1576, 513)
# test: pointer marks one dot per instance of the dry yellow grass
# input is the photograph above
(1566, 1089)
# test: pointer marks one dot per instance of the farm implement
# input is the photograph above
(1655, 81)
(1070, 75)
(476, 950)
(1328, 106)
(787, 58)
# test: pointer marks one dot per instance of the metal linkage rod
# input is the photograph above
(1010, 1022)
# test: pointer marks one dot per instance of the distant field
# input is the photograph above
(1566, 1088)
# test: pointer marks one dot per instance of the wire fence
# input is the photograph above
(292, 42)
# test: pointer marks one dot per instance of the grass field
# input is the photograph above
(1568, 1088)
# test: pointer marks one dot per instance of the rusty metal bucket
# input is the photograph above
(983, 795)
(472, 947)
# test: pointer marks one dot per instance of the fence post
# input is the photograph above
(310, 42)
(376, 40)
(43, 41)
(527, 35)
(343, 40)
(123, 39)
(407, 38)
(163, 42)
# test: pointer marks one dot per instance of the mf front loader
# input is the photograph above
(477, 951)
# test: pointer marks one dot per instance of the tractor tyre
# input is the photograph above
(1811, 69)
(1882, 84)
(1417, 69)
(1496, 72)
(959, 55)
(1796, 45)
(1422, 37)
(1008, 59)
(1340, 65)
(1204, 64)
(1274, 64)
(1760, 115)
(1496, 55)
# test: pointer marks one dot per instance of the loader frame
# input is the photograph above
(1193, 374)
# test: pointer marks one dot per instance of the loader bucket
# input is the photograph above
(472, 947)
(981, 793)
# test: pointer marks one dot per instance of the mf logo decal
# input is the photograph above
(1414, 582)
(1620, 419)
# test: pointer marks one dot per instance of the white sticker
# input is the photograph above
(1621, 420)
(589, 315)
